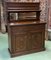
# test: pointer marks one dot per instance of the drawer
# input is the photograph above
(27, 28)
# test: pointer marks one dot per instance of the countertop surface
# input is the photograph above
(26, 23)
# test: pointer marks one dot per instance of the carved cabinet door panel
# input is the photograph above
(20, 42)
(37, 41)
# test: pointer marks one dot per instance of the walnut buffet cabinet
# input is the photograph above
(26, 32)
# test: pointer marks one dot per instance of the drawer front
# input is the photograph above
(27, 28)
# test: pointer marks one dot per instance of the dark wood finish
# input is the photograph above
(21, 7)
(14, 7)
(26, 37)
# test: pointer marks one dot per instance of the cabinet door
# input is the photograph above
(37, 40)
(20, 42)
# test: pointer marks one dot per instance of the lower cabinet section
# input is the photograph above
(26, 39)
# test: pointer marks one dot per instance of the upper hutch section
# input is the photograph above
(19, 11)
(21, 7)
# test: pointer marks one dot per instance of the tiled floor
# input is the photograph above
(4, 54)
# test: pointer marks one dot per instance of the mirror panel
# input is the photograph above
(23, 16)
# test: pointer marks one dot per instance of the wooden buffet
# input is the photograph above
(25, 35)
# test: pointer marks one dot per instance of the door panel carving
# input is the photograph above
(36, 40)
(20, 42)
